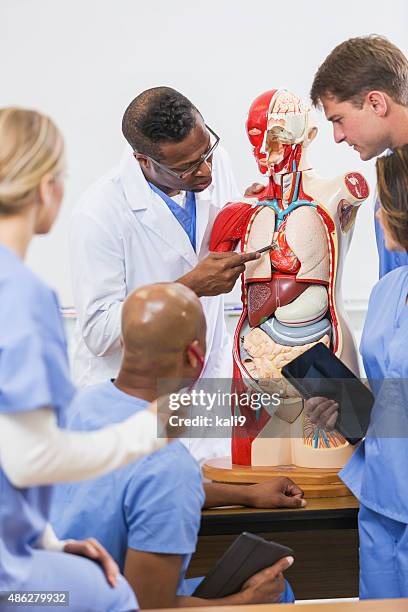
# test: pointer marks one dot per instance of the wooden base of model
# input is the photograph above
(316, 482)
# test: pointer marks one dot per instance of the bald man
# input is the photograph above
(148, 514)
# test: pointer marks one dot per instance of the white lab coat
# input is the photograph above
(123, 236)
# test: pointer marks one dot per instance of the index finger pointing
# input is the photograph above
(245, 257)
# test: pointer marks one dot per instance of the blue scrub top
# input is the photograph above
(387, 260)
(33, 374)
(152, 505)
(376, 473)
(186, 216)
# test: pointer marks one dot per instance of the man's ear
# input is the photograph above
(142, 159)
(191, 354)
(378, 102)
(194, 354)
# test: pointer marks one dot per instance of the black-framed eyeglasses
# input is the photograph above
(194, 167)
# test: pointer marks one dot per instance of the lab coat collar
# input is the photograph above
(158, 216)
(141, 197)
(135, 186)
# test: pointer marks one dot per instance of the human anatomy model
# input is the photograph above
(292, 295)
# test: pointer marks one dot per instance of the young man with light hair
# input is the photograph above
(362, 86)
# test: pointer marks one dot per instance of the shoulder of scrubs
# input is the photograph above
(387, 260)
(163, 502)
(387, 290)
(101, 405)
(33, 359)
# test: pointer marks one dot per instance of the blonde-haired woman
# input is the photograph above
(35, 389)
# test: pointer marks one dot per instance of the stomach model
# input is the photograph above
(291, 300)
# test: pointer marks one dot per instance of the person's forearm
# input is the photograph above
(219, 494)
(190, 280)
(34, 451)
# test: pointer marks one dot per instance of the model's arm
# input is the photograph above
(34, 451)
(98, 282)
(144, 571)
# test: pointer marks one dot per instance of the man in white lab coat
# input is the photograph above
(149, 220)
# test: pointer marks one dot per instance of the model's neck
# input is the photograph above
(301, 166)
(16, 233)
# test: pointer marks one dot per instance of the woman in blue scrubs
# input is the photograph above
(35, 390)
(377, 472)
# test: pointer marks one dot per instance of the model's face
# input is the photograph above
(179, 157)
(390, 243)
(364, 128)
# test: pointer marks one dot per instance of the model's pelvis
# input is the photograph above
(291, 296)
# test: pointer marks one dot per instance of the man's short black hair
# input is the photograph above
(155, 116)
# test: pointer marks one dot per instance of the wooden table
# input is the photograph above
(323, 535)
(384, 605)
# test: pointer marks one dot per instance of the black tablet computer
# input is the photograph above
(246, 556)
(318, 372)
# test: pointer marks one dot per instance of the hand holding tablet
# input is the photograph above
(335, 397)
(323, 412)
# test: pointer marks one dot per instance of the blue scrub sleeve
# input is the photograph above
(163, 503)
(24, 379)
(34, 370)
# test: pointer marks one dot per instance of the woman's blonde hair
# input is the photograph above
(30, 147)
(392, 178)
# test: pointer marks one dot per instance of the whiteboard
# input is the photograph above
(83, 61)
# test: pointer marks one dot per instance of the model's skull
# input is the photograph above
(277, 121)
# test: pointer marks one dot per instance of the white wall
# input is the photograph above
(82, 61)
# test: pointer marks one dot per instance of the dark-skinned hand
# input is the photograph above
(279, 492)
(253, 190)
(92, 549)
(217, 273)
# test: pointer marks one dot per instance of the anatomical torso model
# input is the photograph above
(292, 295)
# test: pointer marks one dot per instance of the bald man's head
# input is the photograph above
(159, 323)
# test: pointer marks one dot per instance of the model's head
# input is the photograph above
(170, 139)
(31, 166)
(360, 86)
(277, 127)
(163, 334)
(392, 177)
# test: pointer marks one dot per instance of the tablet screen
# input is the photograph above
(318, 372)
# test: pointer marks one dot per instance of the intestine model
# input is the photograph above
(291, 296)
